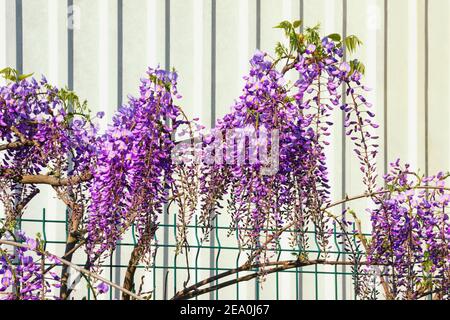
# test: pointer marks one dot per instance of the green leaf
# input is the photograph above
(284, 25)
(13, 75)
(352, 42)
(293, 41)
(335, 37)
(297, 23)
(427, 263)
(9, 74)
(24, 76)
(280, 50)
(357, 65)
(312, 35)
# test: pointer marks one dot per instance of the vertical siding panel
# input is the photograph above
(182, 51)
(201, 16)
(35, 37)
(398, 78)
(233, 51)
(421, 93)
(95, 56)
(143, 43)
(19, 35)
(405, 77)
(57, 39)
(10, 29)
(412, 58)
(439, 86)
(107, 58)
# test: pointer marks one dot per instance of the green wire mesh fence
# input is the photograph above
(170, 272)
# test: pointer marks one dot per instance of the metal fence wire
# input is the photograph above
(169, 272)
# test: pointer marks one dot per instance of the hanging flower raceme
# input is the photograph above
(411, 234)
(359, 125)
(134, 167)
(262, 154)
(316, 97)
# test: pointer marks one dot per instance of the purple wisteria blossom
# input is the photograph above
(411, 233)
(134, 167)
(21, 272)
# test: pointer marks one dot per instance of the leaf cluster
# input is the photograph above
(299, 42)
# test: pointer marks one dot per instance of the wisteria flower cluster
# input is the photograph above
(134, 167)
(22, 271)
(44, 131)
(262, 201)
(297, 192)
(411, 234)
